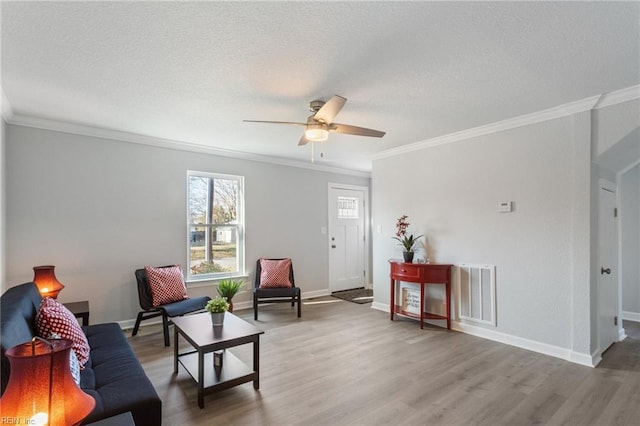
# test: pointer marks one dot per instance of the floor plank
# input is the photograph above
(347, 364)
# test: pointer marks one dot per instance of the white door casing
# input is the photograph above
(608, 309)
(347, 237)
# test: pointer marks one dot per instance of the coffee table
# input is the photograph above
(205, 339)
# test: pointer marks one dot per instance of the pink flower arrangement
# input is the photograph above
(407, 242)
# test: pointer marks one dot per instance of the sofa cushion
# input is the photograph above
(53, 317)
(116, 379)
(166, 284)
(275, 273)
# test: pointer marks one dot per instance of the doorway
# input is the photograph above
(348, 237)
(608, 307)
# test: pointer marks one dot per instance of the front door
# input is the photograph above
(347, 238)
(607, 268)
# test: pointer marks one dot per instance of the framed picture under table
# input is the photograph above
(411, 300)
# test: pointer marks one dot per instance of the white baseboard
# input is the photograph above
(589, 360)
(317, 293)
(528, 344)
(380, 306)
(621, 334)
(631, 316)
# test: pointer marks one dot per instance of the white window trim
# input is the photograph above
(205, 280)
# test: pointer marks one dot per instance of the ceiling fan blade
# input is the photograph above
(330, 109)
(355, 130)
(295, 123)
(303, 140)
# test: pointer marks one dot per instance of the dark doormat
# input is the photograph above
(357, 295)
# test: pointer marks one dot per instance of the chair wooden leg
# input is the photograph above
(165, 329)
(136, 327)
(299, 306)
(255, 307)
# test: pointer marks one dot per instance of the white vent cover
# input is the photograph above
(477, 293)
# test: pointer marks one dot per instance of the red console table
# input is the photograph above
(421, 273)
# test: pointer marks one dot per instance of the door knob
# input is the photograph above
(605, 271)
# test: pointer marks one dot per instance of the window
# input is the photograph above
(215, 226)
(347, 207)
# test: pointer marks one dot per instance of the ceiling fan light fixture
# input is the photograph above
(317, 132)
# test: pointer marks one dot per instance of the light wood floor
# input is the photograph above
(347, 364)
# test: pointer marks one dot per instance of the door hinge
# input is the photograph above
(615, 320)
(364, 274)
(615, 212)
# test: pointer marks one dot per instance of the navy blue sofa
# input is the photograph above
(113, 375)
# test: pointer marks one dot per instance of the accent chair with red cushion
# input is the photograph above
(162, 292)
(274, 282)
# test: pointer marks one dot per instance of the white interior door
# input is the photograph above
(347, 238)
(607, 269)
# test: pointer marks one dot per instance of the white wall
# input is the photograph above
(451, 194)
(545, 252)
(98, 209)
(613, 123)
(629, 188)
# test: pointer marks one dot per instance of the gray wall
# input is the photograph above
(98, 209)
(629, 188)
(545, 251)
(452, 193)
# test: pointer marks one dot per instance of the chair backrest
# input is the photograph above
(144, 291)
(256, 281)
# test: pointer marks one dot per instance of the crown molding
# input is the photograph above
(120, 136)
(587, 104)
(619, 96)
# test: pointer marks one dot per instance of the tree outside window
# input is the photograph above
(215, 226)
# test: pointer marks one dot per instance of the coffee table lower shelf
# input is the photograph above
(233, 371)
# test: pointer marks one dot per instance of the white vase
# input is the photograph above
(217, 318)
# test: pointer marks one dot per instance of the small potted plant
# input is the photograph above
(217, 307)
(407, 242)
(228, 289)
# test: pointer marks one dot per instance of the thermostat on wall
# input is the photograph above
(506, 207)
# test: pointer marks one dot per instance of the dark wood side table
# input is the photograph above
(80, 310)
(423, 274)
(197, 330)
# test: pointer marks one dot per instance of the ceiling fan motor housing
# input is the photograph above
(314, 106)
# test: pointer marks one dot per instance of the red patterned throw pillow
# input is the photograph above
(53, 318)
(275, 273)
(166, 284)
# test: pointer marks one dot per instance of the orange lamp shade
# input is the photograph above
(46, 281)
(41, 390)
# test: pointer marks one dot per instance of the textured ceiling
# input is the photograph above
(192, 71)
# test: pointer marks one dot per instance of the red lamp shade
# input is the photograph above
(41, 390)
(45, 279)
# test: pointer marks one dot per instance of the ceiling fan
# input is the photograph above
(320, 123)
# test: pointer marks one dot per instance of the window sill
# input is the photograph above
(211, 282)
